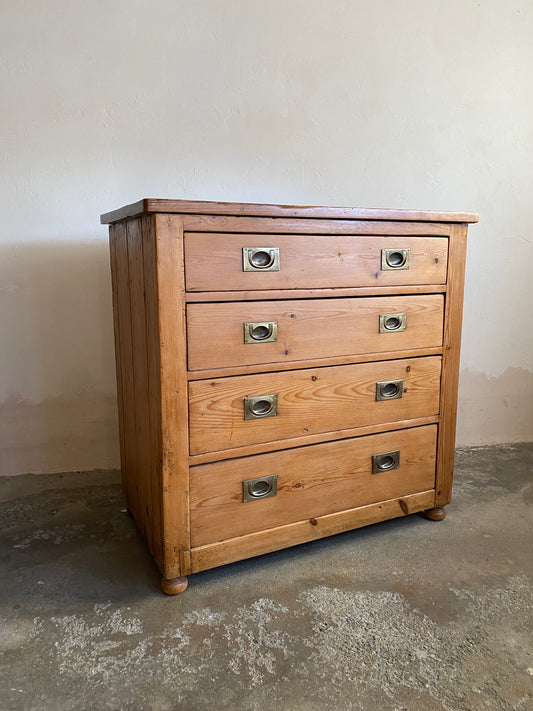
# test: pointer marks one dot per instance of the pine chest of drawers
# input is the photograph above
(284, 373)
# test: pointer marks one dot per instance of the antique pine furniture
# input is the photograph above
(284, 373)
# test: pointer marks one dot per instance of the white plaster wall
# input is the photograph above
(415, 103)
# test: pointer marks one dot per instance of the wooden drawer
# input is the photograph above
(307, 329)
(214, 262)
(311, 482)
(309, 401)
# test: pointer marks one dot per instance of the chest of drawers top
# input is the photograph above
(236, 248)
(283, 372)
(148, 206)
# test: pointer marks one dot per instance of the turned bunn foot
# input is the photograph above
(436, 514)
(173, 586)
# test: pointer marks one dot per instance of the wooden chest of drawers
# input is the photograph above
(284, 373)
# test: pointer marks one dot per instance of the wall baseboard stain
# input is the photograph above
(495, 410)
(59, 435)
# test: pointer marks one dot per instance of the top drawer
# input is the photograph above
(229, 262)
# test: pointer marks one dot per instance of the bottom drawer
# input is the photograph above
(311, 481)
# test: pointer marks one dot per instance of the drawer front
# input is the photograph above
(309, 401)
(215, 262)
(311, 481)
(245, 333)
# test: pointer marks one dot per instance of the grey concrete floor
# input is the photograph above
(404, 615)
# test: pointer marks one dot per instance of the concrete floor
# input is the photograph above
(404, 615)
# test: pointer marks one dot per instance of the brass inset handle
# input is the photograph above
(260, 406)
(389, 390)
(395, 258)
(265, 259)
(392, 323)
(385, 462)
(260, 332)
(260, 488)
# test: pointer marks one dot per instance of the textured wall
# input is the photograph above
(420, 104)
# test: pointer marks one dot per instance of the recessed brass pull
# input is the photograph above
(392, 323)
(260, 488)
(263, 259)
(261, 406)
(389, 390)
(385, 462)
(395, 259)
(260, 332)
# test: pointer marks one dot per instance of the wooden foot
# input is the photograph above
(173, 586)
(436, 514)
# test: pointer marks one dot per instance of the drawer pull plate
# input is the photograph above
(260, 332)
(392, 323)
(395, 259)
(385, 462)
(261, 406)
(260, 488)
(389, 390)
(260, 259)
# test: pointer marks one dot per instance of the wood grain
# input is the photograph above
(309, 330)
(153, 404)
(113, 229)
(273, 539)
(201, 296)
(123, 343)
(311, 482)
(280, 225)
(116, 241)
(314, 363)
(453, 320)
(173, 379)
(305, 440)
(214, 263)
(310, 401)
(148, 205)
(141, 441)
